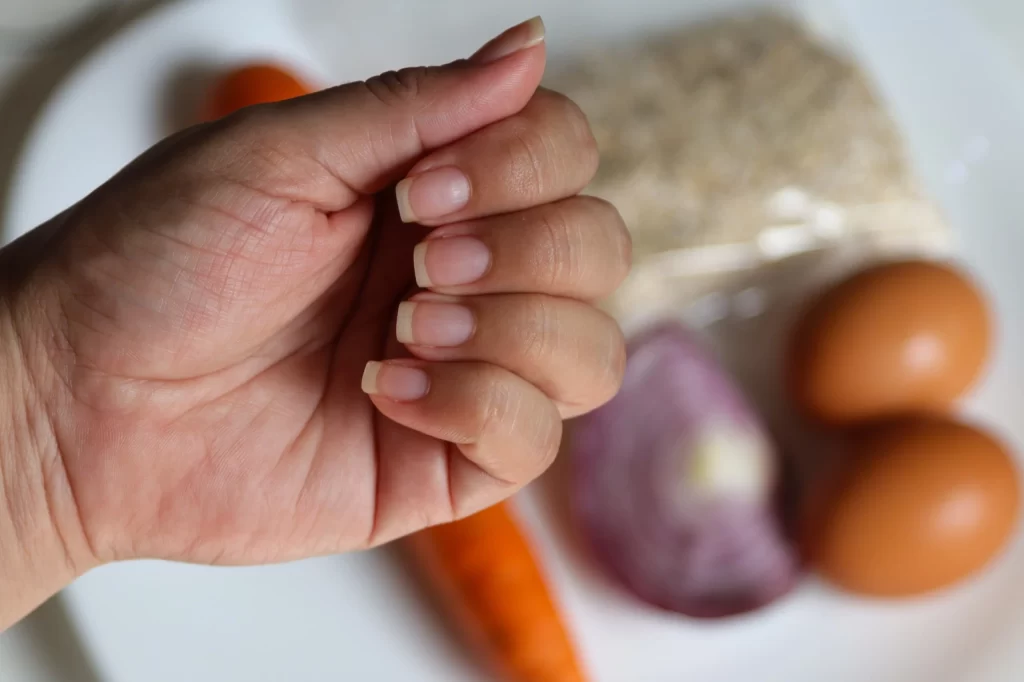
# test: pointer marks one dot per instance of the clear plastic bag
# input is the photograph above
(750, 162)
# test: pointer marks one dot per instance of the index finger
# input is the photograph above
(544, 153)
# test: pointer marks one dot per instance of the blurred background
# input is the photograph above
(41, 42)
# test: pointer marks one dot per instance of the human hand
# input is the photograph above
(197, 329)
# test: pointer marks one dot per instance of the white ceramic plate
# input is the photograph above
(359, 617)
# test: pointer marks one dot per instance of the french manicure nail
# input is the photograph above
(519, 37)
(397, 382)
(434, 324)
(432, 194)
(450, 261)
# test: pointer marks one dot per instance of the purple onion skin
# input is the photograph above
(703, 545)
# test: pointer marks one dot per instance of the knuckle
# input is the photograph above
(617, 240)
(614, 363)
(583, 136)
(512, 417)
(622, 250)
(559, 255)
(566, 109)
(398, 87)
(497, 404)
(537, 334)
(589, 155)
(527, 151)
(601, 350)
(571, 118)
(546, 441)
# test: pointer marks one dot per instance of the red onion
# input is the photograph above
(674, 484)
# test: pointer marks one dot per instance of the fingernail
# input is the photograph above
(396, 382)
(434, 324)
(519, 37)
(450, 261)
(432, 194)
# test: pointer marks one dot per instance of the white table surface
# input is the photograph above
(43, 647)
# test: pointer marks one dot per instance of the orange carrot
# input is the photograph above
(485, 569)
(249, 85)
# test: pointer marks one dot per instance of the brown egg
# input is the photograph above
(924, 503)
(896, 338)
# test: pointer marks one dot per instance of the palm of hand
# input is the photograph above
(233, 384)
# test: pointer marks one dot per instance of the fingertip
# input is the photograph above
(522, 36)
(405, 211)
(403, 322)
(432, 195)
(369, 380)
(419, 264)
(400, 383)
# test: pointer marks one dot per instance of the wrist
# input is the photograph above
(42, 546)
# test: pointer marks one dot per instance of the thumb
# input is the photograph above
(369, 133)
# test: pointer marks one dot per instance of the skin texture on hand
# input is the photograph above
(42, 546)
(201, 325)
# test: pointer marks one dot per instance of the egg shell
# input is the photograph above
(923, 503)
(904, 337)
